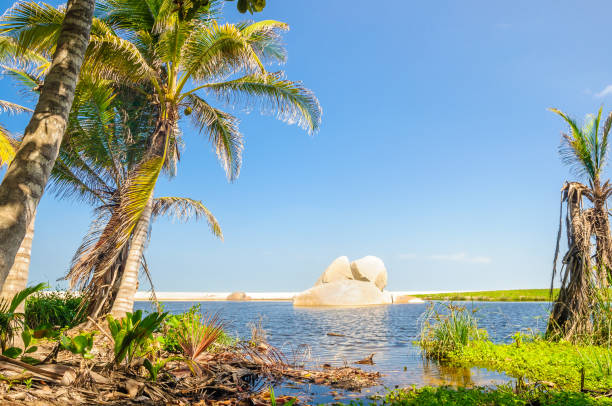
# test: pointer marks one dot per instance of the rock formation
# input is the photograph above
(370, 269)
(238, 296)
(359, 283)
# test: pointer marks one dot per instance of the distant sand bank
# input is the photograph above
(254, 296)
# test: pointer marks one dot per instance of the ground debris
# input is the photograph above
(238, 375)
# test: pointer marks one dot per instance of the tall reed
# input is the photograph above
(446, 328)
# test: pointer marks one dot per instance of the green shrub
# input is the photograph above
(53, 309)
(132, 333)
(175, 325)
(12, 321)
(448, 328)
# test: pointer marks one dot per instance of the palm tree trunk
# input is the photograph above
(124, 301)
(27, 175)
(17, 278)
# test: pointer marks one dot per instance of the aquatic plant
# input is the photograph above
(446, 328)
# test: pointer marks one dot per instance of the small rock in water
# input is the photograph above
(336, 335)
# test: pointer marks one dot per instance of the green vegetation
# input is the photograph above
(79, 345)
(536, 359)
(12, 321)
(447, 328)
(132, 333)
(515, 295)
(53, 309)
(503, 396)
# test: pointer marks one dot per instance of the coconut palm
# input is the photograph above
(17, 277)
(27, 175)
(585, 149)
(181, 55)
(106, 137)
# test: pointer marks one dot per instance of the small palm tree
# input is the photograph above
(585, 149)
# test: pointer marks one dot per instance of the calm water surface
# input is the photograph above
(386, 331)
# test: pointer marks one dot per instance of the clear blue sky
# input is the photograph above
(436, 151)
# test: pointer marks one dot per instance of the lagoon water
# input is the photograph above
(386, 331)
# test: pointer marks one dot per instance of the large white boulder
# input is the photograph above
(343, 293)
(338, 270)
(370, 269)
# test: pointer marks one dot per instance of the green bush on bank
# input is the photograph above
(53, 309)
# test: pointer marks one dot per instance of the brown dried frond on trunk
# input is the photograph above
(571, 316)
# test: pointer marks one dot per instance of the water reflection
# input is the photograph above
(341, 336)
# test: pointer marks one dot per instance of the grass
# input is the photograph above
(539, 360)
(516, 295)
(503, 396)
(446, 328)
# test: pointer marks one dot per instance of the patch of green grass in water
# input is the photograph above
(430, 396)
(516, 295)
(540, 360)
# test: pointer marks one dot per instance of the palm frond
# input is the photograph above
(291, 101)
(215, 51)
(183, 209)
(117, 59)
(576, 149)
(27, 80)
(12, 53)
(98, 253)
(10, 107)
(222, 131)
(35, 26)
(264, 37)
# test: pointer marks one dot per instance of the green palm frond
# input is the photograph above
(264, 37)
(222, 131)
(577, 150)
(214, 50)
(184, 209)
(117, 59)
(292, 102)
(36, 26)
(28, 81)
(12, 53)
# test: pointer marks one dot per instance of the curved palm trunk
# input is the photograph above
(124, 301)
(27, 175)
(17, 278)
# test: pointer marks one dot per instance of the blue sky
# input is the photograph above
(436, 152)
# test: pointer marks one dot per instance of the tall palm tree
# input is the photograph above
(27, 175)
(105, 139)
(585, 149)
(178, 54)
(17, 277)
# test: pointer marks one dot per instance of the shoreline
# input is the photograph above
(253, 296)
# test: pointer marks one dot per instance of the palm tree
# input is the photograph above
(105, 139)
(27, 175)
(17, 277)
(178, 54)
(585, 149)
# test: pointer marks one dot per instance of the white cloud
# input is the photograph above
(461, 257)
(607, 91)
